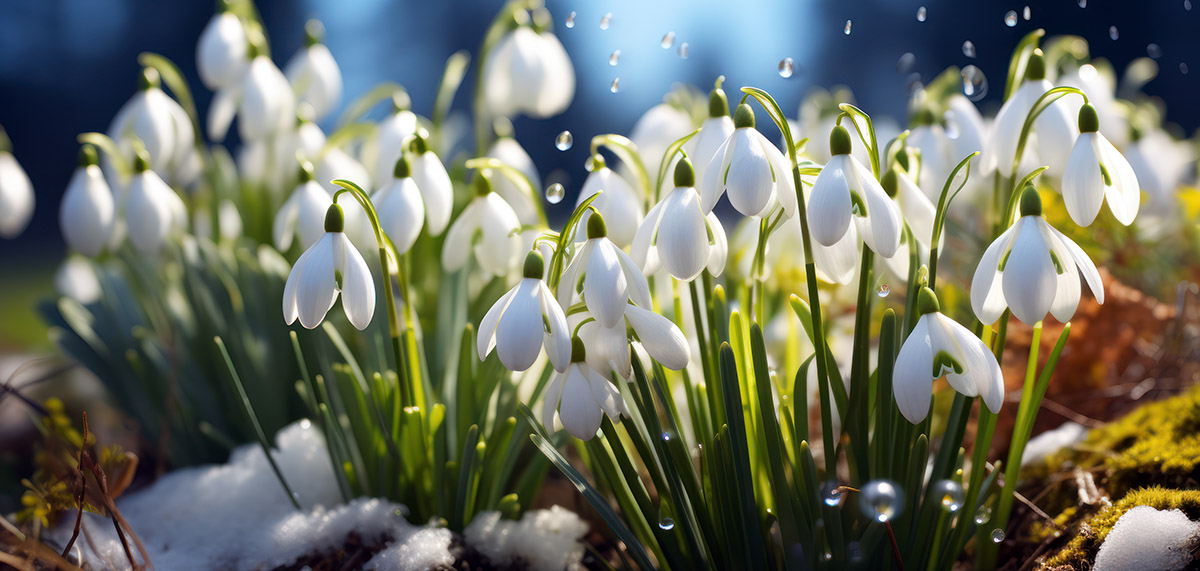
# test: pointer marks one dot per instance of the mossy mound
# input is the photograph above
(1081, 550)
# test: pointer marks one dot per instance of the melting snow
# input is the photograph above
(1146, 538)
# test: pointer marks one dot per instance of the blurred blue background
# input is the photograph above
(66, 66)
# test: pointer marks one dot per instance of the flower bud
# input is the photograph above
(839, 141)
(743, 116)
(1089, 121)
(685, 176)
(596, 228)
(534, 266)
(335, 221)
(1031, 203)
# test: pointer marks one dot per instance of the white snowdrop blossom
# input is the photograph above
(16, 193)
(750, 169)
(847, 190)
(303, 213)
(498, 244)
(611, 347)
(262, 100)
(314, 74)
(221, 51)
(581, 397)
(678, 236)
(1054, 128)
(508, 151)
(528, 72)
(76, 279)
(336, 164)
(606, 276)
(1033, 270)
(152, 209)
(433, 182)
(1098, 173)
(392, 134)
(655, 130)
(88, 211)
(940, 346)
(937, 152)
(524, 320)
(400, 208)
(330, 266)
(159, 123)
(619, 202)
(714, 131)
(919, 213)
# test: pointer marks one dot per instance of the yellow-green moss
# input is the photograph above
(1081, 550)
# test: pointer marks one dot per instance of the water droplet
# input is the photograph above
(305, 424)
(949, 493)
(982, 515)
(828, 556)
(997, 535)
(883, 290)
(564, 140)
(571, 20)
(880, 499)
(1010, 18)
(667, 524)
(1154, 51)
(555, 193)
(969, 49)
(1083, 3)
(612, 59)
(921, 14)
(614, 87)
(590, 164)
(666, 436)
(975, 84)
(683, 50)
(606, 21)
(906, 62)
(1113, 33)
(1187, 5)
(786, 67)
(831, 493)
(1026, 13)
(668, 40)
(1183, 68)
(846, 30)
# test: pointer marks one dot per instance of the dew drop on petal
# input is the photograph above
(880, 499)
(668, 40)
(921, 14)
(571, 20)
(997, 535)
(683, 50)
(883, 290)
(564, 140)
(612, 59)
(1010, 18)
(906, 62)
(1154, 51)
(614, 87)
(975, 84)
(969, 49)
(1113, 33)
(786, 67)
(555, 193)
(605, 21)
(846, 30)
(667, 524)
(1026, 13)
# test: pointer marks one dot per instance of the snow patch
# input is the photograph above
(1146, 538)
(548, 540)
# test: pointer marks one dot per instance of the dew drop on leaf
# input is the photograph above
(997, 535)
(883, 290)
(667, 524)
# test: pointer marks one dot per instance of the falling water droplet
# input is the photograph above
(668, 40)
(846, 30)
(786, 67)
(949, 493)
(997, 535)
(1154, 51)
(906, 62)
(982, 515)
(613, 88)
(969, 49)
(667, 524)
(1183, 68)
(571, 20)
(883, 290)
(683, 50)
(1187, 5)
(1026, 13)
(880, 499)
(605, 21)
(564, 140)
(612, 59)
(975, 84)
(555, 193)
(921, 14)
(1113, 33)
(1083, 3)
(1010, 18)
(831, 493)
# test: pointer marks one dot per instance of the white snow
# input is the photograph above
(237, 516)
(548, 540)
(1149, 539)
(1051, 441)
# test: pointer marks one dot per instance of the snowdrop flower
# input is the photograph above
(1032, 269)
(391, 136)
(508, 151)
(313, 73)
(433, 182)
(528, 71)
(497, 224)
(16, 192)
(607, 277)
(937, 152)
(1054, 128)
(620, 204)
(846, 189)
(303, 213)
(940, 346)
(152, 209)
(162, 126)
(262, 100)
(919, 213)
(88, 212)
(1098, 173)
(221, 51)
(611, 347)
(751, 169)
(76, 279)
(400, 208)
(714, 131)
(523, 320)
(1100, 87)
(1160, 163)
(655, 130)
(336, 164)
(678, 236)
(329, 266)
(581, 396)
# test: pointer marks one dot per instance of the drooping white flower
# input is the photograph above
(581, 396)
(1054, 128)
(76, 279)
(221, 51)
(847, 190)
(965, 126)
(88, 211)
(1033, 270)
(152, 209)
(262, 100)
(655, 130)
(714, 131)
(940, 346)
(528, 72)
(1098, 173)
(313, 72)
(1100, 86)
(391, 136)
(310, 139)
(523, 320)
(508, 151)
(677, 235)
(784, 254)
(610, 347)
(336, 164)
(751, 170)
(433, 182)
(16, 193)
(919, 213)
(499, 244)
(330, 266)
(620, 204)
(937, 152)
(400, 208)
(158, 122)
(607, 277)
(303, 213)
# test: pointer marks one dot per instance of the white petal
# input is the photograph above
(712, 186)
(918, 211)
(559, 87)
(682, 237)
(979, 364)
(1006, 129)
(498, 250)
(640, 252)
(316, 288)
(486, 340)
(1082, 183)
(604, 393)
(221, 51)
(87, 212)
(785, 184)
(1124, 196)
(579, 412)
(437, 192)
(718, 251)
(639, 289)
(661, 338)
(838, 261)
(568, 282)
(604, 287)
(558, 339)
(703, 148)
(829, 202)
(912, 381)
(750, 180)
(1029, 276)
(987, 295)
(882, 214)
(551, 399)
(1081, 259)
(283, 229)
(221, 111)
(942, 338)
(291, 307)
(519, 330)
(1067, 288)
(401, 212)
(390, 138)
(457, 247)
(607, 348)
(358, 288)
(16, 197)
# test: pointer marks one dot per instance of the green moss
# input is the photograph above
(1081, 550)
